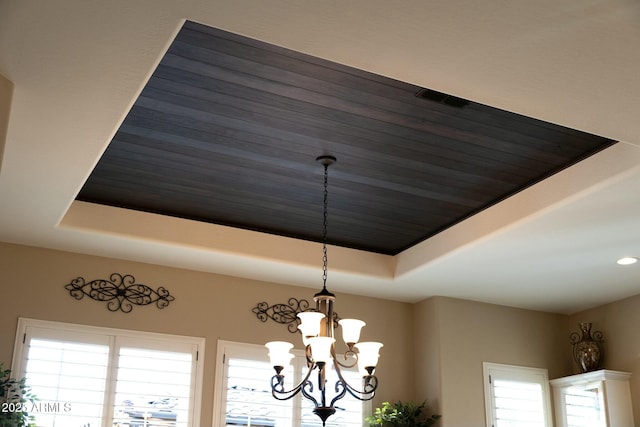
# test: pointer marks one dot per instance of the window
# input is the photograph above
(583, 405)
(88, 376)
(243, 392)
(516, 396)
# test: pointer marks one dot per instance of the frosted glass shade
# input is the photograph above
(305, 339)
(368, 354)
(351, 330)
(321, 348)
(279, 353)
(310, 323)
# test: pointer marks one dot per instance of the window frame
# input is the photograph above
(517, 373)
(116, 338)
(219, 405)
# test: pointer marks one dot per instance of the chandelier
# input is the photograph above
(317, 329)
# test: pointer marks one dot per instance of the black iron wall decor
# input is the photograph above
(286, 314)
(120, 292)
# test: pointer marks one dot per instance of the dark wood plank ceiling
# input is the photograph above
(228, 128)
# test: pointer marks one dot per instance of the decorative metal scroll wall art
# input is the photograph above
(120, 292)
(588, 349)
(286, 314)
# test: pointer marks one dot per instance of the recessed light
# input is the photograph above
(628, 260)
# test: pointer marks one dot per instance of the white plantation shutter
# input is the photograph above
(584, 406)
(153, 384)
(249, 401)
(518, 403)
(68, 378)
(516, 396)
(100, 377)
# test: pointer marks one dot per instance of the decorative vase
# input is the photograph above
(588, 350)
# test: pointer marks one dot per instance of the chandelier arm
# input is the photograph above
(277, 386)
(369, 389)
(278, 392)
(309, 357)
(341, 390)
(307, 394)
(369, 386)
(351, 353)
(344, 365)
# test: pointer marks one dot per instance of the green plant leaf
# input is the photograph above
(409, 414)
(14, 391)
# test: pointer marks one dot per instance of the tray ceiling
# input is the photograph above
(227, 130)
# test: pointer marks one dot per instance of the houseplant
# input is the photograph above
(409, 414)
(15, 400)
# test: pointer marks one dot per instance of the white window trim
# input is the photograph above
(537, 375)
(18, 362)
(261, 353)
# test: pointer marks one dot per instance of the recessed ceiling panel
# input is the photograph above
(228, 128)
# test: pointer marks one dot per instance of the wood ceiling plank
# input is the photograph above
(227, 130)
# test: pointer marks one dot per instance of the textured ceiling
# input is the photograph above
(227, 130)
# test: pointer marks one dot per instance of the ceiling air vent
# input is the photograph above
(442, 98)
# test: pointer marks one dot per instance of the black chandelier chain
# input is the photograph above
(325, 224)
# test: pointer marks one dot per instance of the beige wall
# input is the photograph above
(444, 340)
(464, 334)
(207, 305)
(427, 354)
(619, 322)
